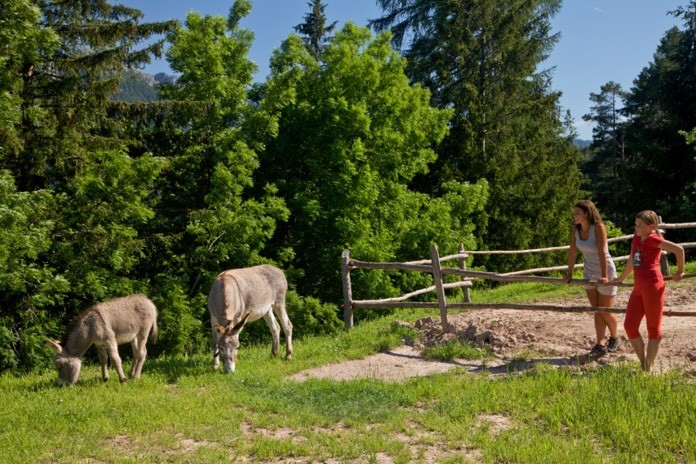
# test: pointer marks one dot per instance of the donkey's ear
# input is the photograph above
(218, 328)
(55, 344)
(239, 326)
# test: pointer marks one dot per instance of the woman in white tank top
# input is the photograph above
(589, 236)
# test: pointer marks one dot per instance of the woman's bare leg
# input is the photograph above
(599, 323)
(609, 319)
(639, 348)
(653, 348)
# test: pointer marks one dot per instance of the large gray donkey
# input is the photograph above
(247, 294)
(129, 319)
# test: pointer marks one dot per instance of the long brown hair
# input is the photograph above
(591, 210)
(651, 218)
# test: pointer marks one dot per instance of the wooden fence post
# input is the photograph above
(664, 262)
(462, 266)
(437, 277)
(347, 291)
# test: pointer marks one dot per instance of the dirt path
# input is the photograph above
(521, 338)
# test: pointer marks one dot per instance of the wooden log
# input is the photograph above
(437, 277)
(685, 276)
(347, 290)
(516, 306)
(682, 225)
(462, 266)
(460, 255)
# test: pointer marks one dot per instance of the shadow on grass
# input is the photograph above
(173, 368)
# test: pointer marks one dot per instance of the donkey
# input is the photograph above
(129, 319)
(244, 295)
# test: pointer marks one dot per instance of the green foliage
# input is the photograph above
(212, 164)
(104, 206)
(315, 29)
(353, 133)
(661, 167)
(604, 169)
(183, 322)
(338, 150)
(28, 286)
(25, 48)
(480, 59)
(312, 317)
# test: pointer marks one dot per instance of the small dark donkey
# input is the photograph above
(129, 319)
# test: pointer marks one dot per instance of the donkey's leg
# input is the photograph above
(112, 349)
(275, 331)
(139, 345)
(103, 361)
(216, 353)
(279, 309)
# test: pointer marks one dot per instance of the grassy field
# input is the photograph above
(181, 412)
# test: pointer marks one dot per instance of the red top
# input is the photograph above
(646, 259)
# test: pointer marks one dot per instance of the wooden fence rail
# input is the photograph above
(434, 267)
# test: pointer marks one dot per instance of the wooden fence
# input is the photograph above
(434, 266)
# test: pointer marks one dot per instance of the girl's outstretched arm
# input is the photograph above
(678, 251)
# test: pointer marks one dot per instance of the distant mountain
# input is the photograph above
(138, 86)
(582, 143)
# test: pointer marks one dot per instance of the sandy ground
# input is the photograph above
(521, 338)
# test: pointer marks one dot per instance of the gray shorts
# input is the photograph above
(606, 290)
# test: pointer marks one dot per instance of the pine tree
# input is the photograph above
(73, 200)
(661, 167)
(314, 29)
(480, 59)
(604, 169)
(66, 97)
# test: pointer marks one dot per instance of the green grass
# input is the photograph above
(182, 412)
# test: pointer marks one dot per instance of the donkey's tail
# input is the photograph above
(153, 332)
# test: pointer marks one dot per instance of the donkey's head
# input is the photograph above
(228, 343)
(68, 367)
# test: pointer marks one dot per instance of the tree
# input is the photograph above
(481, 59)
(66, 96)
(208, 219)
(25, 47)
(73, 199)
(662, 102)
(604, 169)
(315, 28)
(352, 135)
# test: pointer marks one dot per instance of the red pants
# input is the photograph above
(646, 300)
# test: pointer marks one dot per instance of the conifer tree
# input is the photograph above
(480, 59)
(604, 170)
(315, 29)
(662, 102)
(66, 97)
(73, 199)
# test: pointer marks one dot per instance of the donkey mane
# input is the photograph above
(74, 322)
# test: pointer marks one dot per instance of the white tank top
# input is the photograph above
(590, 255)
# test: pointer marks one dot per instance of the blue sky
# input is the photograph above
(601, 40)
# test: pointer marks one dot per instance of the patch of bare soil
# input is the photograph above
(521, 338)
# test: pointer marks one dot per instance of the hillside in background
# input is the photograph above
(138, 86)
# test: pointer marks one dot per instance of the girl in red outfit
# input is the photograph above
(648, 295)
